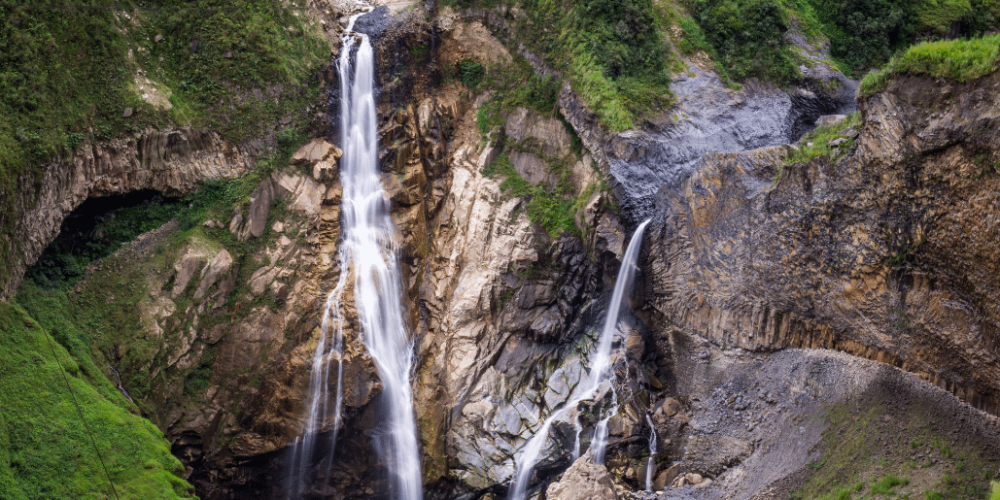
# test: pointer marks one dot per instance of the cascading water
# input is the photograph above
(650, 465)
(368, 252)
(600, 373)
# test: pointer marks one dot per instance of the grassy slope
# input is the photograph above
(45, 451)
(872, 451)
(959, 60)
(613, 52)
(67, 75)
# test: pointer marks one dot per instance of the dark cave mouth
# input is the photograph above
(96, 229)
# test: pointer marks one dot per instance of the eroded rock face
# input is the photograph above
(888, 253)
(173, 162)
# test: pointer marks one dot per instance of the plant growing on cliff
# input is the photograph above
(958, 60)
(747, 37)
(553, 210)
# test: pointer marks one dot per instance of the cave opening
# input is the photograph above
(96, 229)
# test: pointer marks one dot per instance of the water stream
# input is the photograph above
(651, 464)
(368, 253)
(599, 376)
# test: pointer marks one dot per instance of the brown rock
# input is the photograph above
(583, 479)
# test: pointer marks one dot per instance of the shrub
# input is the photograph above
(470, 73)
(748, 37)
(613, 51)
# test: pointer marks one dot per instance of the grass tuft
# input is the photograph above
(959, 60)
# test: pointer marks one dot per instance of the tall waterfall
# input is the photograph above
(368, 253)
(600, 373)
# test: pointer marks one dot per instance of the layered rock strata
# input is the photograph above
(173, 162)
(887, 252)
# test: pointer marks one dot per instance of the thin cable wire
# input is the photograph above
(80, 411)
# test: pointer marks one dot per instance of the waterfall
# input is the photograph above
(370, 250)
(600, 373)
(369, 253)
(650, 467)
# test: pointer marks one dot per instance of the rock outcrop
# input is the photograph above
(173, 162)
(583, 479)
(888, 253)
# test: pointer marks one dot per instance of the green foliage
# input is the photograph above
(748, 37)
(695, 40)
(67, 75)
(885, 485)
(612, 51)
(959, 60)
(863, 33)
(819, 138)
(938, 16)
(45, 450)
(553, 210)
(470, 73)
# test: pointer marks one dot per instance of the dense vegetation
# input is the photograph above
(69, 75)
(747, 37)
(613, 52)
(45, 449)
(959, 60)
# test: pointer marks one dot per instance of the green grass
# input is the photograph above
(612, 51)
(885, 485)
(959, 60)
(819, 138)
(553, 210)
(45, 451)
(68, 74)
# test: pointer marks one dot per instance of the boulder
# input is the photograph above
(850, 132)
(260, 206)
(583, 479)
(314, 152)
(666, 477)
(215, 270)
(185, 267)
(830, 120)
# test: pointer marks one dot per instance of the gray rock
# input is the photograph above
(849, 132)
(158, 38)
(127, 113)
(837, 142)
(830, 120)
(260, 206)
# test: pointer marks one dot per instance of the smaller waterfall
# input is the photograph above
(600, 373)
(650, 467)
(600, 443)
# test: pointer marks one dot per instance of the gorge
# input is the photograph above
(492, 249)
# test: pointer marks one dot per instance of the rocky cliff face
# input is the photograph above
(887, 253)
(173, 162)
(884, 252)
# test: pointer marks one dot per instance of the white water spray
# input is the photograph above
(650, 467)
(370, 250)
(600, 373)
(369, 253)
